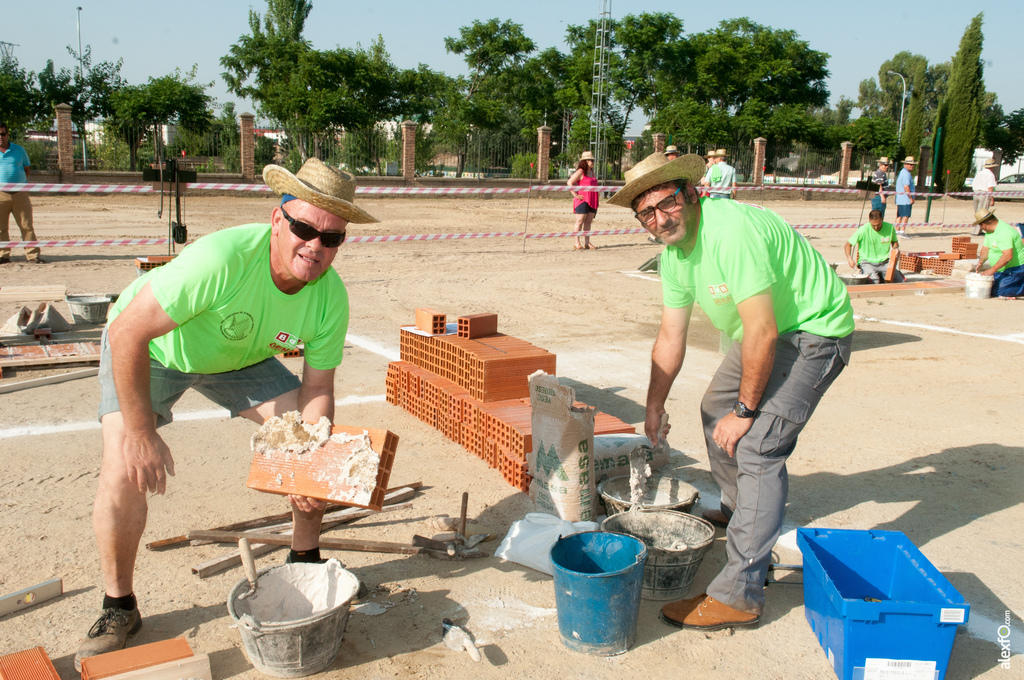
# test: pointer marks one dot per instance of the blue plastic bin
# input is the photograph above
(598, 577)
(875, 601)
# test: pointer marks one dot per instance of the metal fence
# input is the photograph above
(371, 151)
(481, 154)
(802, 165)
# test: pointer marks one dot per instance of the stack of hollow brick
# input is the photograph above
(475, 391)
(967, 249)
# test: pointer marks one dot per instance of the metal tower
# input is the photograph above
(7, 50)
(600, 90)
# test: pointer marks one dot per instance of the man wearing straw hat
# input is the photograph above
(671, 152)
(720, 176)
(1001, 256)
(904, 196)
(214, 319)
(983, 186)
(880, 177)
(790, 317)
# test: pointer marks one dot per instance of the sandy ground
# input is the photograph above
(921, 434)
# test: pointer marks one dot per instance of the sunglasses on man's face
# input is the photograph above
(328, 239)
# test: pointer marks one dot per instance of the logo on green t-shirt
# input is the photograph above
(237, 326)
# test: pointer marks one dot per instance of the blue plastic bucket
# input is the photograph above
(598, 577)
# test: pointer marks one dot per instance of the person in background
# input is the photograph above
(720, 176)
(870, 248)
(1001, 256)
(14, 169)
(880, 177)
(984, 181)
(905, 196)
(671, 152)
(584, 203)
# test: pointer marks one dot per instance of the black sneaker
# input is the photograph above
(109, 634)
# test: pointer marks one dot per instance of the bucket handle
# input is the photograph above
(249, 623)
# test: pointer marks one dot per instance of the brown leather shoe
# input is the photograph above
(705, 613)
(716, 517)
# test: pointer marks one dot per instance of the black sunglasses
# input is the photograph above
(328, 239)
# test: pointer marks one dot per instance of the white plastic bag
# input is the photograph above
(529, 540)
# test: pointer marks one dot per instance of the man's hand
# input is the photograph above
(652, 427)
(729, 430)
(148, 461)
(306, 505)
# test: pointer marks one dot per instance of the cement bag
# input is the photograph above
(529, 540)
(611, 454)
(561, 462)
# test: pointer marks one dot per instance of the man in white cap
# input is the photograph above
(984, 186)
(720, 176)
(905, 196)
(1001, 256)
(213, 319)
(790, 316)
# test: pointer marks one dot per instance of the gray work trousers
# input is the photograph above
(754, 482)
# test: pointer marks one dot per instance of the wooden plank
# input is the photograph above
(917, 288)
(47, 590)
(197, 666)
(49, 380)
(22, 293)
(328, 543)
(45, 355)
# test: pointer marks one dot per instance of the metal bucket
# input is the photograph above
(597, 590)
(676, 543)
(663, 493)
(307, 638)
(91, 309)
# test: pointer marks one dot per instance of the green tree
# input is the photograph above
(1006, 134)
(171, 99)
(960, 112)
(651, 45)
(18, 95)
(914, 129)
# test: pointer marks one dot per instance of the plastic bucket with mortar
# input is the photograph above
(293, 624)
(978, 286)
(676, 544)
(597, 590)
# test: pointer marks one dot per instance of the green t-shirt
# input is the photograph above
(874, 246)
(742, 250)
(231, 315)
(1002, 239)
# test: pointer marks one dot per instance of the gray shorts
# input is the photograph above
(876, 271)
(234, 390)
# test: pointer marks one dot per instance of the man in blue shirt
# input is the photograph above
(14, 169)
(904, 196)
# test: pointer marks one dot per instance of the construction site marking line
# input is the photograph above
(1017, 338)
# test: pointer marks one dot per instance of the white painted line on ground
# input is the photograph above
(1017, 338)
(208, 414)
(371, 346)
(641, 275)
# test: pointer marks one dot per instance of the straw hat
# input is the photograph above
(671, 149)
(655, 170)
(718, 153)
(984, 215)
(909, 160)
(883, 159)
(586, 156)
(991, 163)
(330, 189)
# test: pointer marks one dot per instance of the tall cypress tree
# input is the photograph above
(915, 116)
(961, 111)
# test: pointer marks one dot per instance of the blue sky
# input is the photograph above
(154, 38)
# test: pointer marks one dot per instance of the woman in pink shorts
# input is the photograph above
(584, 203)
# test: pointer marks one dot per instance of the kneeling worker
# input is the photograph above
(763, 284)
(1001, 256)
(871, 247)
(214, 319)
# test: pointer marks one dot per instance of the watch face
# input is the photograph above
(741, 410)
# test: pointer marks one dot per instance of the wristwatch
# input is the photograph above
(741, 410)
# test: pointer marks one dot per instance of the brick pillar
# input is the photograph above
(408, 150)
(924, 167)
(659, 142)
(844, 169)
(543, 152)
(248, 144)
(65, 144)
(760, 144)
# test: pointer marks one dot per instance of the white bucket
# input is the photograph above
(978, 286)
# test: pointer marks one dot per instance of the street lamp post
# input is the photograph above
(903, 100)
(81, 77)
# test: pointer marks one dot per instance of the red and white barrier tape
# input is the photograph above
(396, 238)
(381, 190)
